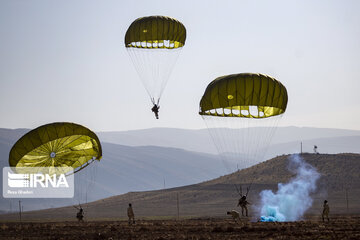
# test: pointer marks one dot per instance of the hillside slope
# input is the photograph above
(123, 169)
(215, 197)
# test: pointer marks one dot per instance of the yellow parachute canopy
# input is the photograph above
(155, 32)
(247, 95)
(60, 144)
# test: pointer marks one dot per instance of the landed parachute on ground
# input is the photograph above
(60, 144)
(241, 112)
(154, 44)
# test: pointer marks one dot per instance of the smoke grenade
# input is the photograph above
(292, 199)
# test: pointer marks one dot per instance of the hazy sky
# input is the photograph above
(66, 60)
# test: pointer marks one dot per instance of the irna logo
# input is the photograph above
(16, 180)
(39, 182)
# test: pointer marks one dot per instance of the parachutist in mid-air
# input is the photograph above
(161, 39)
(155, 109)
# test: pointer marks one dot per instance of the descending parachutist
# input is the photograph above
(155, 109)
(154, 44)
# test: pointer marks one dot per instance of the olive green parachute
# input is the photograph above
(241, 112)
(154, 44)
(60, 144)
(244, 95)
(155, 32)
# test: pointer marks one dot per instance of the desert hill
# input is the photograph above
(339, 172)
(148, 159)
(124, 169)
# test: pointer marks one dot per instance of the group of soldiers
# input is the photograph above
(235, 215)
(130, 213)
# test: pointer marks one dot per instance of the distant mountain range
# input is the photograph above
(150, 159)
(328, 140)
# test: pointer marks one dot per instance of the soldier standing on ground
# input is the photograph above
(130, 214)
(326, 210)
(242, 203)
(80, 215)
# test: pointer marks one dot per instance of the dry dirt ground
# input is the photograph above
(340, 227)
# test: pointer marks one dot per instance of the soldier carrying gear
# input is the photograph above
(155, 109)
(242, 203)
(326, 210)
(234, 214)
(80, 215)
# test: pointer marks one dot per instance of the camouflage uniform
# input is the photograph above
(326, 210)
(242, 203)
(155, 109)
(130, 214)
(80, 215)
(234, 214)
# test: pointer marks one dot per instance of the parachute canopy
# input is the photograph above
(154, 44)
(155, 32)
(60, 144)
(241, 112)
(244, 95)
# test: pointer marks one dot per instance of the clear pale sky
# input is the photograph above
(66, 60)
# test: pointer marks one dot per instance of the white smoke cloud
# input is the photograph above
(292, 199)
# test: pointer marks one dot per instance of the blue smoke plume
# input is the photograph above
(292, 199)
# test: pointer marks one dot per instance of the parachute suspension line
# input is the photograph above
(241, 112)
(84, 182)
(261, 139)
(272, 127)
(259, 135)
(216, 138)
(220, 132)
(155, 102)
(241, 142)
(215, 135)
(139, 64)
(154, 67)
